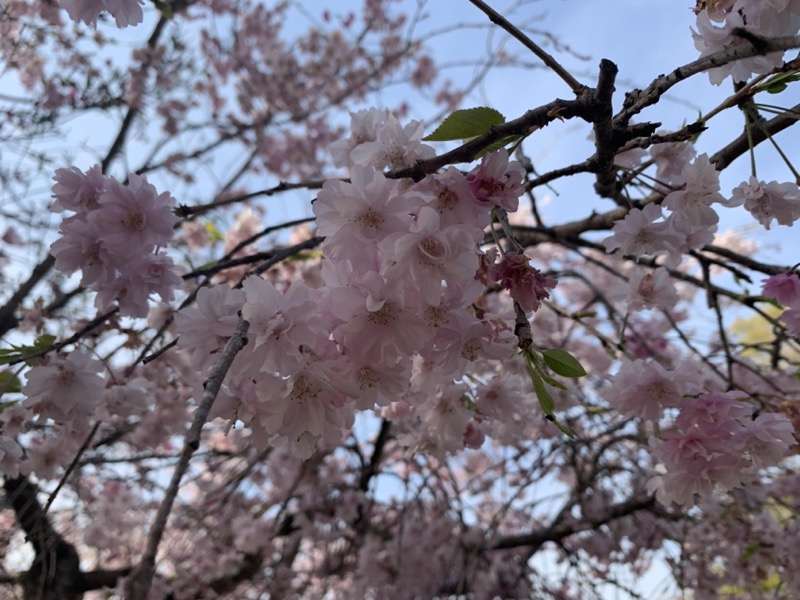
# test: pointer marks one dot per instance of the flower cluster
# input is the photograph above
(125, 12)
(691, 223)
(379, 140)
(114, 238)
(692, 191)
(717, 441)
(763, 18)
(392, 323)
(769, 201)
(785, 288)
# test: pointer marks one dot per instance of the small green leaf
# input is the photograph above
(563, 363)
(538, 378)
(564, 429)
(776, 88)
(779, 82)
(9, 358)
(9, 382)
(16, 353)
(545, 399)
(43, 342)
(164, 8)
(553, 382)
(465, 124)
(214, 234)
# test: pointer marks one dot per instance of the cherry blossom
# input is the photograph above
(783, 287)
(640, 233)
(65, 389)
(525, 283)
(497, 181)
(392, 399)
(125, 12)
(700, 190)
(769, 201)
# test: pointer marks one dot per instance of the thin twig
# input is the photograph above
(548, 60)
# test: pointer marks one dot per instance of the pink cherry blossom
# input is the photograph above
(125, 12)
(524, 282)
(133, 218)
(769, 201)
(649, 288)
(206, 327)
(671, 159)
(77, 191)
(783, 287)
(640, 233)
(645, 388)
(427, 259)
(65, 389)
(709, 39)
(496, 181)
(700, 190)
(395, 145)
(366, 210)
(791, 318)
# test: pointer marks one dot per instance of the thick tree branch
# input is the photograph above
(524, 125)
(536, 539)
(605, 185)
(8, 320)
(138, 585)
(637, 100)
(56, 572)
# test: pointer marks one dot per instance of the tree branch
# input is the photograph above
(138, 585)
(637, 100)
(499, 20)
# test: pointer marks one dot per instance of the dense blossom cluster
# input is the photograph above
(605, 425)
(737, 19)
(114, 238)
(125, 12)
(401, 275)
(785, 288)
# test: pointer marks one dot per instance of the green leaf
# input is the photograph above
(779, 82)
(776, 88)
(164, 8)
(564, 429)
(214, 234)
(17, 353)
(9, 382)
(553, 382)
(545, 399)
(465, 124)
(563, 363)
(10, 357)
(43, 342)
(534, 371)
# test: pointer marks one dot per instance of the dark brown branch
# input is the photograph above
(522, 126)
(56, 572)
(370, 470)
(536, 539)
(8, 320)
(270, 258)
(605, 185)
(138, 585)
(638, 100)
(130, 116)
